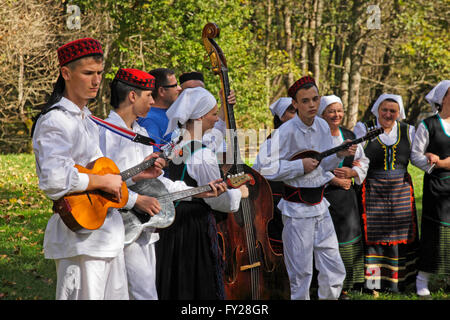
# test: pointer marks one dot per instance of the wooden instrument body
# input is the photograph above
(306, 154)
(252, 269)
(88, 209)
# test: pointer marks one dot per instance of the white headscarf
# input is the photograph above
(436, 95)
(192, 103)
(394, 97)
(279, 107)
(325, 101)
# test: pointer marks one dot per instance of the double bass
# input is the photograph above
(252, 269)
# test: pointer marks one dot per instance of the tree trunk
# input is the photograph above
(355, 82)
(288, 42)
(267, 52)
(345, 79)
(317, 43)
(304, 43)
(20, 98)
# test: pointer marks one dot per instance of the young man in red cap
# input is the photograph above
(164, 94)
(308, 229)
(131, 97)
(89, 263)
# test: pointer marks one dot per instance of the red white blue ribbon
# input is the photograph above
(133, 136)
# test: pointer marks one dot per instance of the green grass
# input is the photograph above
(24, 212)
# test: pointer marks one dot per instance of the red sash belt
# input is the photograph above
(310, 196)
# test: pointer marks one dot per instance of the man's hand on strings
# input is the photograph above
(309, 164)
(152, 172)
(110, 183)
(148, 204)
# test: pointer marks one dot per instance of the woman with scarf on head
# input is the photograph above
(189, 263)
(344, 208)
(431, 153)
(387, 195)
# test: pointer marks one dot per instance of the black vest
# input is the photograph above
(393, 157)
(177, 167)
(439, 142)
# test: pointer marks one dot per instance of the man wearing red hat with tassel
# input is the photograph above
(89, 263)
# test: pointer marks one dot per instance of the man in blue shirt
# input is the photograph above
(165, 93)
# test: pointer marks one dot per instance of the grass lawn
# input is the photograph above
(24, 212)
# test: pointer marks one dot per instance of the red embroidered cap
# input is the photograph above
(299, 84)
(136, 78)
(78, 49)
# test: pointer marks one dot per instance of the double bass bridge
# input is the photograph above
(250, 266)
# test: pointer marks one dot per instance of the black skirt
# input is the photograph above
(188, 263)
(434, 254)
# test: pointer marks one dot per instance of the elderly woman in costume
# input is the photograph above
(188, 259)
(388, 204)
(282, 111)
(344, 208)
(431, 153)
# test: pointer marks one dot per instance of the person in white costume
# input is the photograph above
(308, 229)
(89, 263)
(431, 153)
(131, 97)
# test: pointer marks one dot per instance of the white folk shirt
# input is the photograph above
(273, 162)
(420, 145)
(126, 154)
(63, 138)
(202, 166)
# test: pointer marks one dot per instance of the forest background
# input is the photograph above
(354, 49)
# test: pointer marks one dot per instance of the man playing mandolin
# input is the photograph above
(308, 229)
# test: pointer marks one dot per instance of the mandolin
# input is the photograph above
(88, 209)
(319, 156)
(136, 220)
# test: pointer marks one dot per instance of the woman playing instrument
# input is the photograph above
(189, 264)
(308, 229)
(388, 204)
(431, 153)
(344, 209)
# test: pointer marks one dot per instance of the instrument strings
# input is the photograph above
(251, 244)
